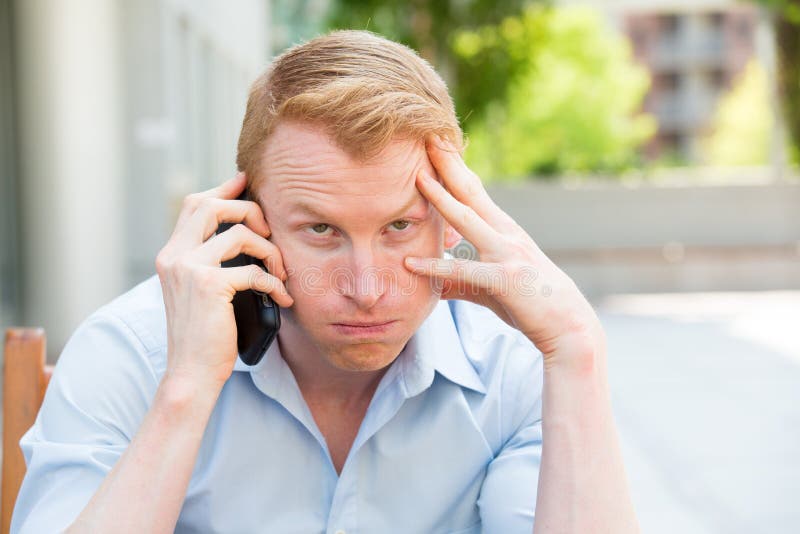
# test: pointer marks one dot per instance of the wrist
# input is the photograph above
(576, 390)
(183, 392)
(579, 354)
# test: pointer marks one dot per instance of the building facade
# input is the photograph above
(694, 56)
(113, 111)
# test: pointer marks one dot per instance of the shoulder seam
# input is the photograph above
(144, 351)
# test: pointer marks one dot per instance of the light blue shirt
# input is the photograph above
(451, 441)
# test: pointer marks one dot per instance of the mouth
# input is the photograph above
(364, 329)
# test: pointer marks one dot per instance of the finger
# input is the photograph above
(214, 211)
(239, 211)
(229, 189)
(464, 184)
(449, 290)
(240, 239)
(460, 216)
(255, 278)
(462, 279)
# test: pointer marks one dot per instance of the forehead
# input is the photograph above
(302, 164)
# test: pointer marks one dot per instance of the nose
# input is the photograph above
(368, 279)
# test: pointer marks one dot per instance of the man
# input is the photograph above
(389, 402)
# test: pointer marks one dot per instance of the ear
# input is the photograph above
(451, 237)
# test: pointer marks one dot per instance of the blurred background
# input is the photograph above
(649, 147)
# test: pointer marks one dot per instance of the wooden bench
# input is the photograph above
(25, 379)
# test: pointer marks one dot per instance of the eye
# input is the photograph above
(320, 228)
(400, 225)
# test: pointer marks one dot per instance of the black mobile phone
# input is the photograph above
(257, 316)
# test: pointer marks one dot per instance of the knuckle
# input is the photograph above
(240, 232)
(161, 267)
(472, 187)
(468, 216)
(191, 201)
(207, 207)
(514, 248)
(234, 231)
(162, 256)
(260, 280)
(163, 263)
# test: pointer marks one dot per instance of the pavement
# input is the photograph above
(706, 395)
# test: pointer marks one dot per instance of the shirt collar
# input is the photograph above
(435, 346)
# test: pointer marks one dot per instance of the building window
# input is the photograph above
(744, 29)
(669, 81)
(719, 78)
(670, 23)
(716, 19)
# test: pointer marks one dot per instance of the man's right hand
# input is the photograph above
(197, 291)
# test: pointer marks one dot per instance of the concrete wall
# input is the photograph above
(611, 237)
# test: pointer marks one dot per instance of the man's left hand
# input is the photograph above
(512, 276)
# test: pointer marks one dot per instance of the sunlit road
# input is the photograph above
(706, 393)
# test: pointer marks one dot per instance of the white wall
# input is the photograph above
(123, 109)
(189, 66)
(69, 111)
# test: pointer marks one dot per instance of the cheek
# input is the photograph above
(308, 278)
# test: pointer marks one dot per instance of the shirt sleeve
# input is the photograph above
(507, 500)
(100, 390)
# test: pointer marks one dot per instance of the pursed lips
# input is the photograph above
(364, 324)
(364, 328)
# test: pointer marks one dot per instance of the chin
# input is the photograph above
(364, 357)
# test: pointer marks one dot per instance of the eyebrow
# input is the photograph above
(311, 210)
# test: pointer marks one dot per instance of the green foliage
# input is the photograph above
(742, 123)
(787, 39)
(429, 27)
(572, 104)
(538, 90)
(786, 9)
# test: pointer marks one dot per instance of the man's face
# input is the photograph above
(343, 229)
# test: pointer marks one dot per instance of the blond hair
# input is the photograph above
(362, 89)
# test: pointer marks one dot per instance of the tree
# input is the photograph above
(497, 54)
(741, 128)
(573, 105)
(786, 15)
(429, 27)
